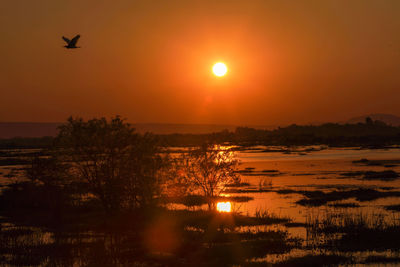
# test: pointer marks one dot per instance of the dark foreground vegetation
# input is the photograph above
(100, 194)
(354, 232)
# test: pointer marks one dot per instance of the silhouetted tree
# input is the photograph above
(120, 167)
(209, 169)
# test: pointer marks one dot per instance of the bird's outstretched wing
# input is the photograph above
(66, 40)
(74, 40)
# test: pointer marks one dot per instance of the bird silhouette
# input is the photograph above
(71, 43)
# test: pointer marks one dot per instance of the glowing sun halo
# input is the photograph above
(219, 69)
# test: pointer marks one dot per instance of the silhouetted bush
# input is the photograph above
(209, 169)
(120, 167)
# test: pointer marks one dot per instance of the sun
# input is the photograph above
(219, 69)
(224, 206)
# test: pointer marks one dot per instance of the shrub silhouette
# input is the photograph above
(209, 169)
(120, 167)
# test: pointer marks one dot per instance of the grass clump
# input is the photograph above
(387, 175)
(393, 207)
(355, 232)
(319, 198)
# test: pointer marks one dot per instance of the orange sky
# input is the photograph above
(150, 61)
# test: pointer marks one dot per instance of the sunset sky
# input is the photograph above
(151, 61)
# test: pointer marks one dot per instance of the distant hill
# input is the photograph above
(386, 118)
(36, 129)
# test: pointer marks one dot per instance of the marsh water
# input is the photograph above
(320, 170)
(323, 169)
(276, 180)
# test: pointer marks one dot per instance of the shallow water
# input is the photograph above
(318, 170)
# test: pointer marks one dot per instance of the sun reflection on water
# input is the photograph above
(224, 206)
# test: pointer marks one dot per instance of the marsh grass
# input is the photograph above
(387, 175)
(354, 231)
(381, 259)
(319, 198)
(385, 162)
(246, 190)
(13, 161)
(204, 237)
(192, 201)
(21, 246)
(26, 246)
(315, 260)
(393, 207)
(344, 205)
(250, 171)
(264, 184)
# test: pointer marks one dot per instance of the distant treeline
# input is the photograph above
(368, 134)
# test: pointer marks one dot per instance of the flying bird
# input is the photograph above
(71, 43)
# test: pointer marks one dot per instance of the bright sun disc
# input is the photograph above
(224, 206)
(219, 69)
